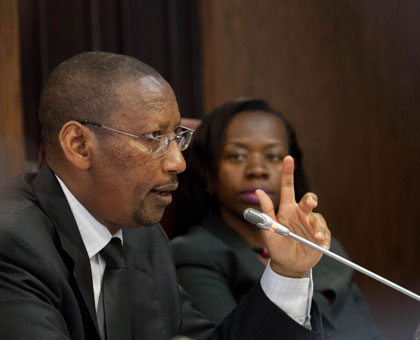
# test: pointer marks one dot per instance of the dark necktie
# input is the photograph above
(114, 290)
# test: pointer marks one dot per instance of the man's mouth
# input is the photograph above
(161, 192)
(167, 188)
(164, 193)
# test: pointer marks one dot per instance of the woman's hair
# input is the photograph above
(194, 199)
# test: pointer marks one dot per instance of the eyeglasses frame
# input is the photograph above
(155, 140)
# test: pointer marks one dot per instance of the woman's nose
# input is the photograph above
(256, 166)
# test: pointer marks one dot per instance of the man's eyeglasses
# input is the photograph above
(159, 144)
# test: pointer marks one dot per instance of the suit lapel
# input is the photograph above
(147, 320)
(54, 204)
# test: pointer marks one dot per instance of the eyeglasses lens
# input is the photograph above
(161, 145)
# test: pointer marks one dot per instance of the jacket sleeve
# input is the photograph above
(26, 311)
(27, 305)
(208, 287)
(256, 317)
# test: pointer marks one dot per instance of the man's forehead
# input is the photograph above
(147, 89)
(152, 84)
(149, 102)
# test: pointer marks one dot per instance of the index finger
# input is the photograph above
(287, 188)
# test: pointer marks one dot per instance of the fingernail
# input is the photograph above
(311, 199)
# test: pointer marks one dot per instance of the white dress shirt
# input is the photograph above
(95, 237)
(293, 296)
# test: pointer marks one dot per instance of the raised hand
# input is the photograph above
(290, 257)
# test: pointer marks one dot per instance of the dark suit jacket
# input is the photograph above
(217, 268)
(46, 286)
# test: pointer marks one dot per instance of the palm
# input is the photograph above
(290, 257)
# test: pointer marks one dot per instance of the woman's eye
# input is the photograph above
(272, 157)
(235, 156)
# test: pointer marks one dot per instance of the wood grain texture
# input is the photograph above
(12, 156)
(346, 74)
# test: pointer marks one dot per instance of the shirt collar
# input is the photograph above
(95, 235)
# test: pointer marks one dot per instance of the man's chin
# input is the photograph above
(149, 218)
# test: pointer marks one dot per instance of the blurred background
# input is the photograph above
(346, 73)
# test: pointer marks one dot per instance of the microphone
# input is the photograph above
(264, 221)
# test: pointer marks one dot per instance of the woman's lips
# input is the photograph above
(249, 195)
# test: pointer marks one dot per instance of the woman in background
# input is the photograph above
(239, 148)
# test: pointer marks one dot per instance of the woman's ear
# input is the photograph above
(76, 142)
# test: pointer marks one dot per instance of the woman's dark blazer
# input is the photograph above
(217, 268)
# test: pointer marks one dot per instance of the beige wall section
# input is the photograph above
(12, 156)
(347, 75)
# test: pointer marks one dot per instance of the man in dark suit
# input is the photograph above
(113, 142)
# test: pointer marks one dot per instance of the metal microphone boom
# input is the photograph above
(264, 221)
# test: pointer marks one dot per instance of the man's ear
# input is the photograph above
(76, 142)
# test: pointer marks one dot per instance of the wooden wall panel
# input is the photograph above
(11, 136)
(346, 73)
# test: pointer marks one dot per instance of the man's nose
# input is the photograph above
(174, 161)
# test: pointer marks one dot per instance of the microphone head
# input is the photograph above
(264, 221)
(254, 216)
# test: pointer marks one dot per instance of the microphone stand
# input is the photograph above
(264, 221)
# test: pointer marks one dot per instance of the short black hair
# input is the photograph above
(204, 159)
(83, 88)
